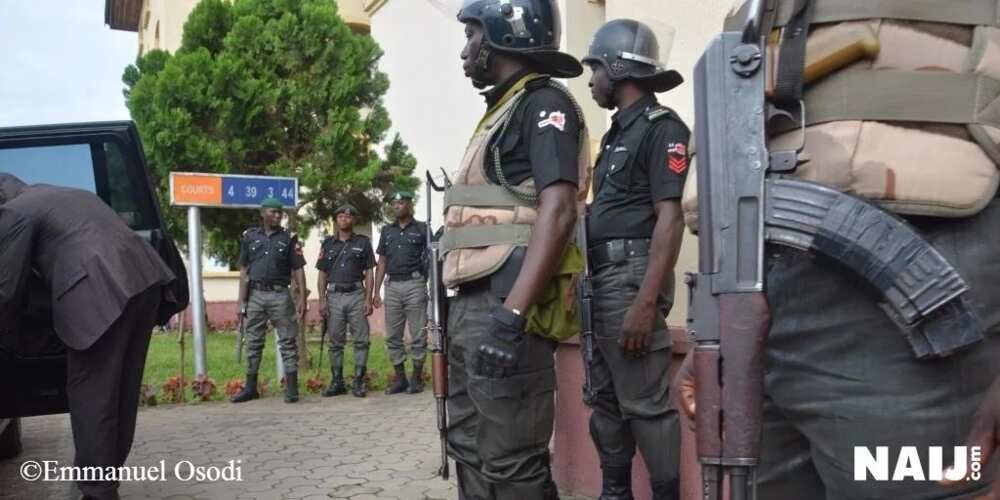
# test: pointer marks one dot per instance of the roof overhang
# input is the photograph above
(123, 14)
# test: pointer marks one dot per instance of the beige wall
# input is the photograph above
(433, 106)
(167, 15)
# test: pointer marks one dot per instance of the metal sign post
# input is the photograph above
(195, 190)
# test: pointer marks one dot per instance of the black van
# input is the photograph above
(105, 158)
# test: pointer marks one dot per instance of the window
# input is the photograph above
(103, 167)
(69, 165)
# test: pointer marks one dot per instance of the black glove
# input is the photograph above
(497, 354)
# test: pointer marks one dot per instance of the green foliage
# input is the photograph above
(269, 87)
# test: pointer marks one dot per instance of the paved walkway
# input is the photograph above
(379, 447)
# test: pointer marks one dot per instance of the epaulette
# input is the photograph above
(249, 230)
(657, 113)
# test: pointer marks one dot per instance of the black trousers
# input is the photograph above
(839, 374)
(103, 384)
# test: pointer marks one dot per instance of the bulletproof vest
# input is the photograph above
(914, 124)
(486, 221)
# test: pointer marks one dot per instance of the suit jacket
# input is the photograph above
(92, 262)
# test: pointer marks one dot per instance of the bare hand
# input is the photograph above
(377, 301)
(985, 431)
(324, 311)
(300, 309)
(637, 329)
(368, 308)
(682, 390)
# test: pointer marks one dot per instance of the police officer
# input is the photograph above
(270, 257)
(839, 373)
(345, 286)
(635, 230)
(512, 209)
(401, 249)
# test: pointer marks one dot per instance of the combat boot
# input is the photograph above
(399, 384)
(291, 387)
(417, 379)
(249, 391)
(617, 483)
(359, 390)
(337, 386)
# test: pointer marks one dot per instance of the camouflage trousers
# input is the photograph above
(279, 309)
(406, 303)
(347, 310)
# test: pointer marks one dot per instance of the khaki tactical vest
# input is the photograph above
(914, 123)
(486, 221)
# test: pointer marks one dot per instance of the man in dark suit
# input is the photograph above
(107, 286)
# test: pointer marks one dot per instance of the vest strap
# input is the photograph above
(478, 236)
(895, 95)
(482, 196)
(964, 12)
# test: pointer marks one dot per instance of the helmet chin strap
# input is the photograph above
(482, 67)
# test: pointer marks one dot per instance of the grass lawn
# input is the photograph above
(163, 363)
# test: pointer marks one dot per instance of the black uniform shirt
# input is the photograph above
(346, 261)
(270, 259)
(642, 162)
(542, 139)
(404, 247)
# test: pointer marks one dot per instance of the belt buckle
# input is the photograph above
(616, 251)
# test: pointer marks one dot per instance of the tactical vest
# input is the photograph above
(915, 125)
(484, 221)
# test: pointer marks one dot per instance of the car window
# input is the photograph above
(69, 165)
(102, 167)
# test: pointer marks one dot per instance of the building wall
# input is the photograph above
(434, 107)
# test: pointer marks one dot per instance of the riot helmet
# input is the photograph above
(627, 49)
(528, 28)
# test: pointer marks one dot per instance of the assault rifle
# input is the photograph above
(586, 292)
(242, 329)
(745, 200)
(437, 329)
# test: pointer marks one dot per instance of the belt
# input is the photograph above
(415, 275)
(344, 287)
(614, 251)
(267, 287)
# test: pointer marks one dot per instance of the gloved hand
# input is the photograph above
(497, 354)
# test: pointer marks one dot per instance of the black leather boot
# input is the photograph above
(249, 391)
(399, 384)
(617, 484)
(359, 389)
(336, 381)
(417, 379)
(291, 387)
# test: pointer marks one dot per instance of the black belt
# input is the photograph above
(267, 287)
(344, 287)
(618, 251)
(415, 275)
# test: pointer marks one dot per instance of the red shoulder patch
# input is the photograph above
(677, 160)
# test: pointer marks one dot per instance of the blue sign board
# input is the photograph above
(231, 191)
(251, 191)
